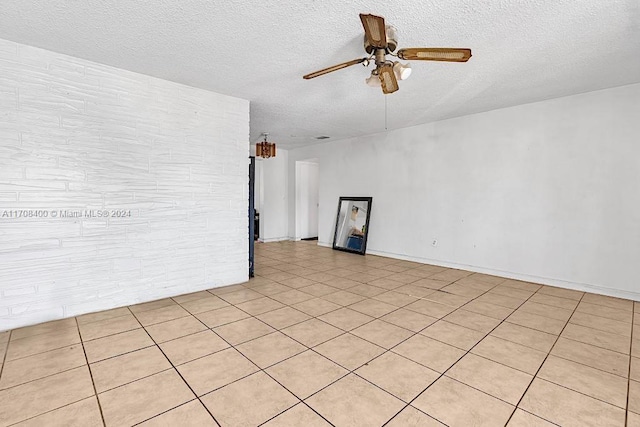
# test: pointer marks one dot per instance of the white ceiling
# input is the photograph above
(523, 51)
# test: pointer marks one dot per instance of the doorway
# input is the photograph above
(307, 199)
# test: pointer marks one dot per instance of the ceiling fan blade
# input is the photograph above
(333, 68)
(388, 79)
(435, 54)
(374, 29)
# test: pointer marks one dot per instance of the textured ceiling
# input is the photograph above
(523, 51)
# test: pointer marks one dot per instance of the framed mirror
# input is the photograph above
(352, 224)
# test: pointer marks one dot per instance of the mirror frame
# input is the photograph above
(366, 233)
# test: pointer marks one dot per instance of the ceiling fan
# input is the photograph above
(381, 40)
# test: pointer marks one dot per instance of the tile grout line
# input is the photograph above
(544, 361)
(626, 412)
(6, 352)
(93, 384)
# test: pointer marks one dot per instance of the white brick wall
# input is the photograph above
(76, 135)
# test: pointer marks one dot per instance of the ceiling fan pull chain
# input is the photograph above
(385, 113)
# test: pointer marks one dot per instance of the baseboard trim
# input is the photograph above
(583, 287)
(273, 239)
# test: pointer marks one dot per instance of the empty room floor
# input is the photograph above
(323, 338)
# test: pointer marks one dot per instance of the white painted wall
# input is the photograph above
(274, 184)
(306, 184)
(76, 135)
(548, 192)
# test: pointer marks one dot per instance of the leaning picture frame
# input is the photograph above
(352, 224)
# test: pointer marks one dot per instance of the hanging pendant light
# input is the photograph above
(265, 149)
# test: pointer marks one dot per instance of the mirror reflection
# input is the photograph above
(352, 224)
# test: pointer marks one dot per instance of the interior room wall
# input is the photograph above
(547, 192)
(306, 199)
(80, 139)
(275, 198)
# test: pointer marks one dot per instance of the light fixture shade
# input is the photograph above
(388, 79)
(373, 80)
(402, 71)
(265, 149)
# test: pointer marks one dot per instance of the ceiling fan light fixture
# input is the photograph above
(402, 71)
(373, 80)
(265, 149)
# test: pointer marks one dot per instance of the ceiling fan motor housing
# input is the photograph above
(392, 40)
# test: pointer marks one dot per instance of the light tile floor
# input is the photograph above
(323, 338)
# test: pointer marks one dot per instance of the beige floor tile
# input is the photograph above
(576, 409)
(166, 331)
(501, 300)
(292, 296)
(604, 311)
(349, 351)
(316, 306)
(116, 345)
(414, 291)
(36, 344)
(398, 375)
(475, 321)
(409, 319)
(240, 296)
(633, 419)
(80, 414)
(430, 308)
(345, 318)
(546, 311)
(488, 309)
(534, 321)
(259, 306)
(41, 365)
(152, 305)
(43, 328)
(354, 402)
(270, 349)
(216, 370)
(103, 315)
(512, 292)
(449, 299)
(634, 397)
(457, 404)
(493, 378)
(586, 380)
(385, 283)
(180, 299)
(190, 414)
(450, 275)
(37, 397)
(192, 347)
(103, 328)
(270, 289)
(601, 323)
(452, 334)
(143, 399)
(463, 290)
(526, 336)
(521, 418)
(508, 353)
(373, 308)
(395, 298)
(299, 415)
(318, 289)
(429, 352)
(306, 373)
(564, 303)
(221, 316)
(283, 317)
(312, 332)
(607, 340)
(382, 333)
(367, 290)
(634, 373)
(343, 298)
(411, 417)
(201, 305)
(301, 282)
(618, 303)
(596, 357)
(266, 398)
(120, 370)
(561, 292)
(223, 290)
(243, 330)
(518, 284)
(159, 315)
